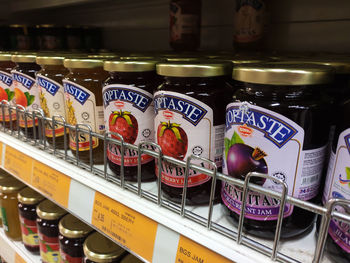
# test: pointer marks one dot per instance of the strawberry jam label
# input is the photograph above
(263, 141)
(184, 126)
(29, 230)
(49, 249)
(129, 112)
(65, 258)
(338, 186)
(7, 93)
(26, 94)
(82, 109)
(52, 100)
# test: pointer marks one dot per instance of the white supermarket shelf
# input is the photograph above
(171, 230)
(14, 251)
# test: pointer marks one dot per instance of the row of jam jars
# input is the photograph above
(6, 90)
(51, 95)
(3, 174)
(26, 91)
(277, 124)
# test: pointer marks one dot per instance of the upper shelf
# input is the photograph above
(28, 5)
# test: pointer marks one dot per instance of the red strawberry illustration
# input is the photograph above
(124, 123)
(172, 139)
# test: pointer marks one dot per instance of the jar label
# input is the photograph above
(7, 93)
(65, 258)
(129, 111)
(49, 249)
(29, 229)
(51, 95)
(26, 95)
(82, 109)
(5, 223)
(184, 126)
(260, 140)
(181, 23)
(338, 186)
(249, 20)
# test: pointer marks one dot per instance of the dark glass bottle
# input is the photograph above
(277, 125)
(128, 106)
(190, 110)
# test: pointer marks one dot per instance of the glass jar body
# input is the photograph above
(10, 219)
(28, 216)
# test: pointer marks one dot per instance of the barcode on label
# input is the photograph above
(309, 180)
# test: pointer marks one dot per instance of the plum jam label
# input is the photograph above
(52, 101)
(81, 108)
(29, 230)
(128, 111)
(49, 249)
(26, 94)
(182, 23)
(7, 93)
(184, 126)
(260, 140)
(338, 186)
(65, 258)
(249, 20)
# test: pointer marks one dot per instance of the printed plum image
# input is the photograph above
(172, 139)
(124, 123)
(242, 159)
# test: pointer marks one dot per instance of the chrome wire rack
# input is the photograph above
(237, 234)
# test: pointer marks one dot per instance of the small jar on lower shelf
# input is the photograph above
(49, 215)
(98, 248)
(9, 188)
(72, 235)
(28, 200)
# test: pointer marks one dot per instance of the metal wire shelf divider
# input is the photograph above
(40, 141)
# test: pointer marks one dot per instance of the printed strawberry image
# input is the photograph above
(172, 139)
(124, 123)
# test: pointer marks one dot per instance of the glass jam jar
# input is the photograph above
(184, 25)
(9, 188)
(26, 90)
(190, 120)
(3, 174)
(100, 249)
(6, 90)
(50, 37)
(278, 124)
(72, 235)
(28, 199)
(128, 107)
(84, 104)
(49, 215)
(51, 94)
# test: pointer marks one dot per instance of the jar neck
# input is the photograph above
(28, 66)
(281, 92)
(86, 71)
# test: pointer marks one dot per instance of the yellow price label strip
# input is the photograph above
(189, 251)
(18, 163)
(51, 183)
(126, 226)
(19, 259)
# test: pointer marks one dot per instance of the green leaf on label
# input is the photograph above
(31, 99)
(10, 95)
(27, 95)
(347, 170)
(235, 139)
(49, 249)
(227, 146)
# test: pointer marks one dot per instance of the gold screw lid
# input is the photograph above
(103, 56)
(341, 65)
(24, 58)
(29, 197)
(71, 227)
(283, 74)
(121, 65)
(83, 63)
(17, 25)
(100, 249)
(49, 60)
(130, 258)
(10, 185)
(5, 56)
(4, 174)
(49, 211)
(194, 69)
(183, 59)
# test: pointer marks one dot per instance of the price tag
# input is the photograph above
(51, 182)
(126, 226)
(19, 259)
(18, 163)
(189, 251)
